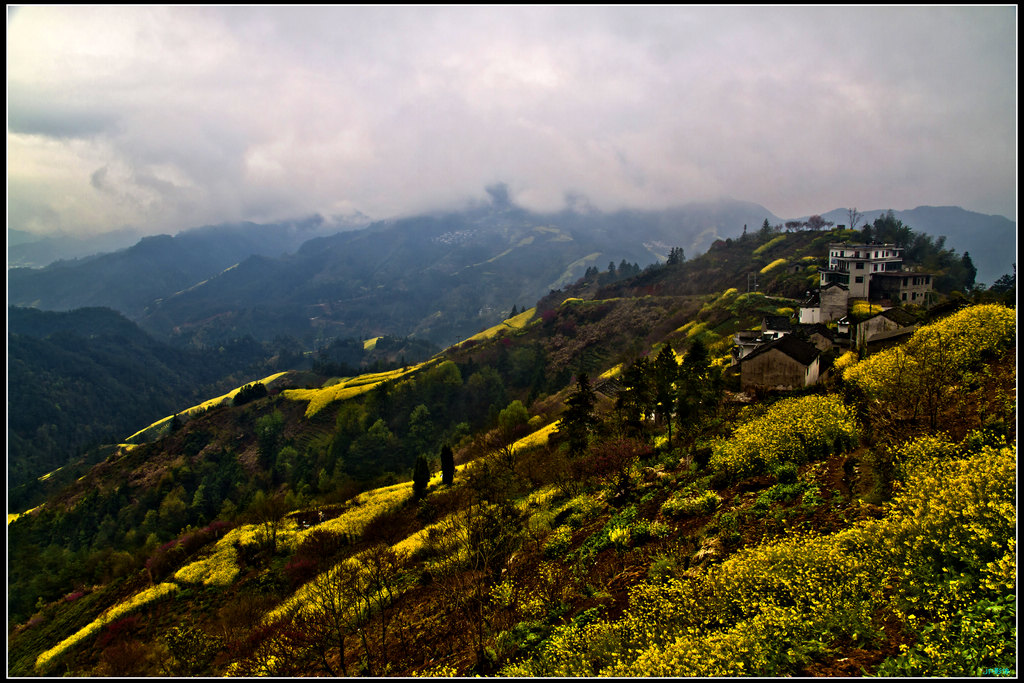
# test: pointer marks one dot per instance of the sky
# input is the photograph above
(162, 118)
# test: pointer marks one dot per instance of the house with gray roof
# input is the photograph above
(783, 364)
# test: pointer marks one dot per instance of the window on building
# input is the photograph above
(904, 296)
(860, 266)
(859, 279)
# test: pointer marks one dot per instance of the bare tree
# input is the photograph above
(855, 217)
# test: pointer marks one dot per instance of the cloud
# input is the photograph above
(168, 117)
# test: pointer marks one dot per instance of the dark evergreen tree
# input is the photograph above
(970, 271)
(666, 370)
(699, 391)
(447, 465)
(420, 477)
(579, 419)
(636, 398)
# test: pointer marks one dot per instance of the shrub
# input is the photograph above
(793, 430)
(682, 505)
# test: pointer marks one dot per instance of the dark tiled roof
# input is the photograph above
(777, 322)
(900, 317)
(816, 328)
(792, 346)
(891, 334)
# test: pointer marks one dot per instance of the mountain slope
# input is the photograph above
(441, 277)
(128, 280)
(91, 376)
(809, 534)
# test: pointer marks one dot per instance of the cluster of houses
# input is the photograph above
(786, 355)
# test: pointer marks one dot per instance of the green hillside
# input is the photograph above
(578, 491)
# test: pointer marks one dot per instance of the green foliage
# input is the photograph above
(682, 504)
(191, 650)
(248, 393)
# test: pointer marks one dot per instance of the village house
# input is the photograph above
(874, 272)
(825, 305)
(854, 265)
(772, 327)
(884, 323)
(783, 364)
(819, 335)
(775, 326)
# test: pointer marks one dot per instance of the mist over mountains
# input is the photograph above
(440, 276)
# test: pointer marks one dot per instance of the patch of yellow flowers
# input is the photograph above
(946, 543)
(792, 430)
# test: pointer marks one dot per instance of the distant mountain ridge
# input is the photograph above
(440, 276)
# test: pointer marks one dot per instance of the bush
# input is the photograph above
(682, 505)
(793, 430)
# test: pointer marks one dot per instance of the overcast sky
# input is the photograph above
(165, 118)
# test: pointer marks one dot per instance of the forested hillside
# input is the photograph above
(580, 490)
(87, 377)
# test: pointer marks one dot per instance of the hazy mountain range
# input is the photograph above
(440, 276)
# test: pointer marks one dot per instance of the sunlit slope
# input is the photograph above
(346, 388)
(160, 427)
(516, 322)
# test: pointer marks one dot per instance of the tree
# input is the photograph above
(666, 370)
(331, 612)
(816, 222)
(420, 477)
(447, 465)
(269, 430)
(191, 650)
(421, 431)
(268, 512)
(249, 393)
(578, 419)
(970, 271)
(675, 256)
(855, 217)
(700, 390)
(765, 233)
(511, 427)
(887, 228)
(635, 400)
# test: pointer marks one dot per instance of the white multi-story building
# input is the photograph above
(853, 265)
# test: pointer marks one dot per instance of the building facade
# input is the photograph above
(854, 265)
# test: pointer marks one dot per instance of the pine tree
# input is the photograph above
(420, 477)
(578, 420)
(447, 465)
(666, 369)
(699, 391)
(636, 398)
